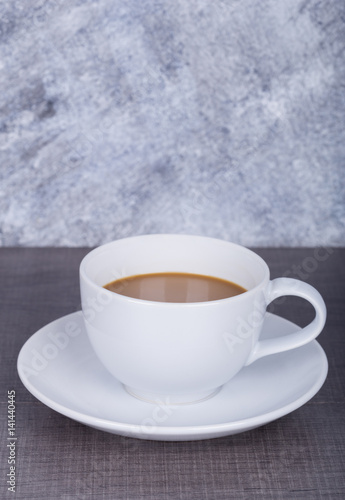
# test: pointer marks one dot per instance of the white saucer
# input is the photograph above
(58, 366)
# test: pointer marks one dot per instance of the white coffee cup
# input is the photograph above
(179, 353)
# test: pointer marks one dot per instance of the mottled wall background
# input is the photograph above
(221, 118)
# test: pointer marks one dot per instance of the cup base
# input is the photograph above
(171, 399)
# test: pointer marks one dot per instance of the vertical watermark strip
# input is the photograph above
(11, 441)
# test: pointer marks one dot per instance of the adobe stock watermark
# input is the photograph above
(304, 270)
(96, 304)
(58, 341)
(245, 328)
(11, 441)
(310, 264)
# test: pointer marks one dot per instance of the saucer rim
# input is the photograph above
(136, 430)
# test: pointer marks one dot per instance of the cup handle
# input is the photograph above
(289, 286)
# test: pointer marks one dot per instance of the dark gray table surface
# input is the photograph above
(300, 456)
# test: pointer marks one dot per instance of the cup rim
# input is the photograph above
(102, 248)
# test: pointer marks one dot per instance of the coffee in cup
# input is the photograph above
(175, 287)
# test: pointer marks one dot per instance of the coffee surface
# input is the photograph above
(175, 287)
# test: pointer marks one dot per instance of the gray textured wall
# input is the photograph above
(221, 118)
